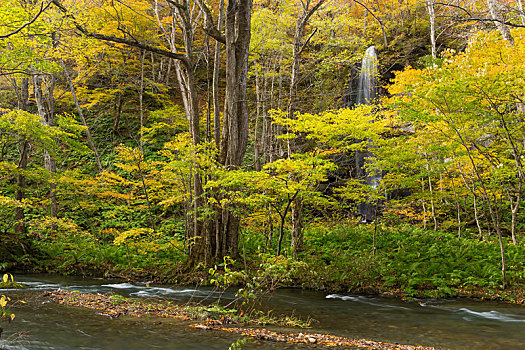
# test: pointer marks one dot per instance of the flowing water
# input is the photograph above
(366, 90)
(366, 94)
(452, 324)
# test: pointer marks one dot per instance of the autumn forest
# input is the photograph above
(228, 143)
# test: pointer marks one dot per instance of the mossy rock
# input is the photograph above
(11, 285)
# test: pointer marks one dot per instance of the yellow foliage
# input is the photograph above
(131, 235)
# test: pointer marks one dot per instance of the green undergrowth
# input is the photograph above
(408, 261)
(87, 257)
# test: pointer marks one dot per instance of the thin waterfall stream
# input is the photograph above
(450, 324)
(366, 94)
(366, 90)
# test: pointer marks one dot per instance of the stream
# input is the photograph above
(450, 324)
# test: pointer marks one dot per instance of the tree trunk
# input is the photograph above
(23, 150)
(432, 17)
(298, 47)
(81, 115)
(475, 200)
(257, 136)
(493, 209)
(297, 227)
(458, 208)
(46, 112)
(216, 72)
(141, 98)
(23, 153)
(235, 119)
(494, 8)
(235, 123)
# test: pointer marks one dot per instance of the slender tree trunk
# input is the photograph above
(472, 190)
(81, 115)
(432, 205)
(46, 112)
(281, 234)
(494, 213)
(257, 136)
(209, 92)
(424, 206)
(283, 218)
(216, 74)
(494, 8)
(297, 227)
(266, 137)
(23, 153)
(458, 212)
(297, 48)
(141, 98)
(476, 217)
(514, 207)
(432, 17)
(269, 236)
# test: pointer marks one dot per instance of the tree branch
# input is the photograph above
(478, 19)
(210, 27)
(307, 41)
(313, 10)
(42, 9)
(455, 6)
(129, 42)
(376, 18)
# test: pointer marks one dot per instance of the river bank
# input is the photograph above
(401, 261)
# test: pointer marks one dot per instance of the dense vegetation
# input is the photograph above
(165, 138)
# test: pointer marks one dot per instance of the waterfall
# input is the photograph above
(366, 93)
(366, 90)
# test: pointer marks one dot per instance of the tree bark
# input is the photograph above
(494, 9)
(46, 112)
(297, 227)
(216, 74)
(234, 136)
(432, 17)
(235, 124)
(23, 153)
